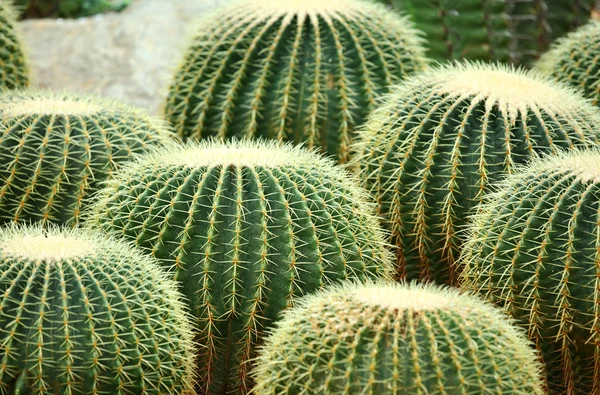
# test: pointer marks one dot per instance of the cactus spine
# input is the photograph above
(246, 228)
(395, 339)
(14, 72)
(80, 314)
(535, 251)
(574, 60)
(504, 30)
(292, 70)
(430, 152)
(56, 149)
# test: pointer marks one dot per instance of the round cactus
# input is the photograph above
(574, 60)
(56, 149)
(395, 339)
(535, 251)
(83, 314)
(246, 228)
(292, 70)
(508, 31)
(14, 72)
(430, 152)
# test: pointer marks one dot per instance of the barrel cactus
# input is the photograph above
(246, 228)
(503, 30)
(14, 72)
(430, 152)
(83, 314)
(56, 149)
(396, 339)
(535, 251)
(574, 60)
(292, 70)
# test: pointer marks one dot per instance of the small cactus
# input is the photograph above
(246, 228)
(535, 251)
(395, 339)
(82, 314)
(292, 70)
(14, 72)
(56, 149)
(501, 30)
(574, 60)
(430, 152)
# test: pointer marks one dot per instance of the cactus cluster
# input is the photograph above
(82, 314)
(535, 251)
(14, 72)
(500, 30)
(430, 153)
(396, 339)
(301, 71)
(57, 149)
(246, 228)
(574, 60)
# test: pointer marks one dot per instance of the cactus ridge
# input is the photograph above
(534, 250)
(291, 70)
(573, 60)
(395, 339)
(14, 72)
(246, 227)
(56, 149)
(83, 314)
(430, 152)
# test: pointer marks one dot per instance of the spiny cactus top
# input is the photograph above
(14, 72)
(83, 314)
(55, 150)
(535, 251)
(575, 60)
(430, 152)
(246, 227)
(508, 31)
(294, 70)
(395, 339)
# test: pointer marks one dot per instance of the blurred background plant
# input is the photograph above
(67, 8)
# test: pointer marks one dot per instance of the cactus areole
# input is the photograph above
(305, 71)
(246, 228)
(430, 153)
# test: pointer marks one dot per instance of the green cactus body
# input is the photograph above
(55, 151)
(246, 228)
(293, 70)
(535, 251)
(574, 60)
(429, 154)
(83, 314)
(14, 72)
(502, 30)
(395, 339)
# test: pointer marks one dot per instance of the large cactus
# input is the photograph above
(574, 60)
(246, 228)
(430, 152)
(14, 72)
(294, 70)
(396, 339)
(514, 31)
(82, 314)
(56, 149)
(535, 251)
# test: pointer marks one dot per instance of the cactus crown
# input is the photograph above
(430, 152)
(395, 338)
(262, 68)
(99, 317)
(59, 147)
(534, 250)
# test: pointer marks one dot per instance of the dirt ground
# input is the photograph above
(128, 56)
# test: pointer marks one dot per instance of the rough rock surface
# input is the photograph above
(128, 56)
